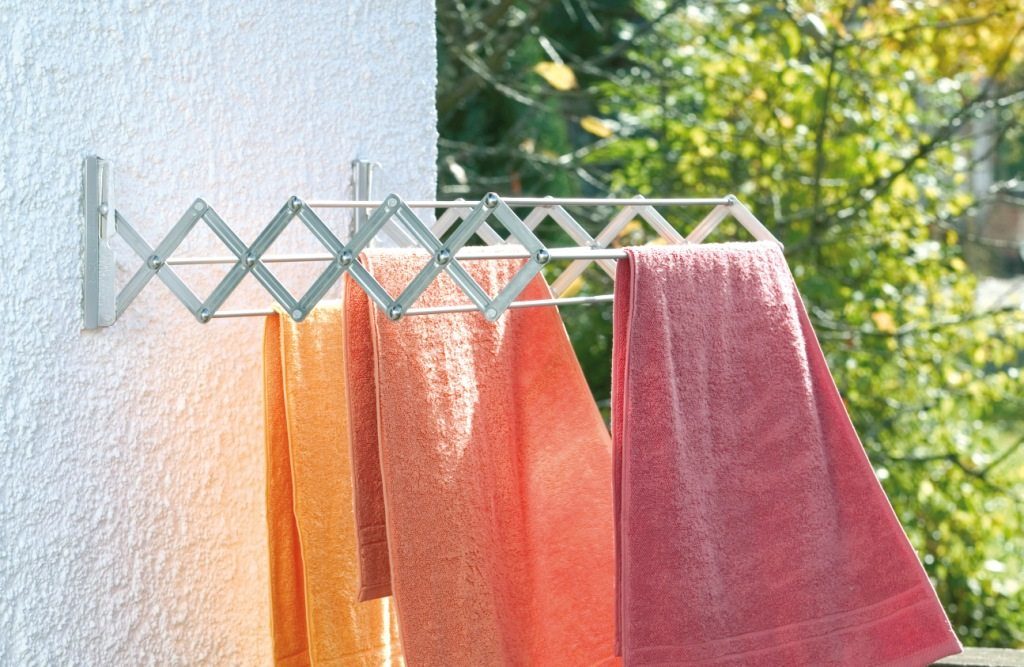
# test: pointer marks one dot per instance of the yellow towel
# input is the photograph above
(314, 570)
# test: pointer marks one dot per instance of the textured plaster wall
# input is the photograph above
(131, 459)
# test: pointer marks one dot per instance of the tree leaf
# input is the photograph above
(596, 126)
(558, 75)
(790, 39)
(884, 321)
(817, 25)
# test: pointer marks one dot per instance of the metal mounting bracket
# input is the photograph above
(99, 294)
(362, 184)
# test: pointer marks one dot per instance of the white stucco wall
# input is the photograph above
(131, 459)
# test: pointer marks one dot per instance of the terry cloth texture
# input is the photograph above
(316, 617)
(750, 526)
(494, 476)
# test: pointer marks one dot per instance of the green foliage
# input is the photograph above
(847, 128)
(503, 126)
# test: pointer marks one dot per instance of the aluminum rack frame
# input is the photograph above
(103, 303)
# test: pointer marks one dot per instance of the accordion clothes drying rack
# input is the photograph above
(390, 218)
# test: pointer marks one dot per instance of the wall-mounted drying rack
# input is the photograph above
(392, 217)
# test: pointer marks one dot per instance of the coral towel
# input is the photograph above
(751, 528)
(494, 468)
(316, 618)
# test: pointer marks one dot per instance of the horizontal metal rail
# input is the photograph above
(461, 308)
(464, 254)
(532, 202)
(530, 303)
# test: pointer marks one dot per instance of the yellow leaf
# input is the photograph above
(574, 287)
(884, 321)
(632, 227)
(559, 75)
(596, 126)
(958, 264)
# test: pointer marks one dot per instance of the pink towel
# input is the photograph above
(751, 529)
(482, 494)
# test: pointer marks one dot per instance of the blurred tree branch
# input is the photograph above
(848, 126)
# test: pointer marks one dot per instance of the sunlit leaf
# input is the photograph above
(790, 39)
(596, 126)
(884, 321)
(817, 24)
(558, 75)
(574, 287)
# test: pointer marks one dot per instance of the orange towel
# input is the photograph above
(495, 472)
(316, 617)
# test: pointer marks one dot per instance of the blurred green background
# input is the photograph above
(880, 141)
